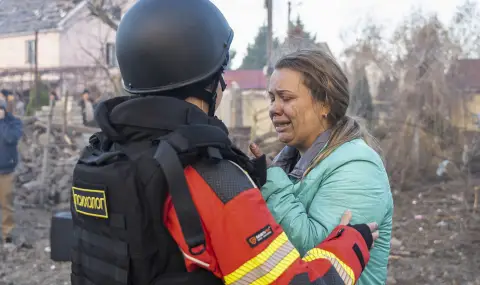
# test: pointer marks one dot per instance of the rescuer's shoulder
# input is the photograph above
(226, 178)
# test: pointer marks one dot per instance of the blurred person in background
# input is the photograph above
(11, 130)
(3, 95)
(86, 103)
(329, 164)
(54, 97)
(19, 106)
(11, 103)
(8, 98)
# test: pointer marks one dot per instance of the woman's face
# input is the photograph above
(298, 119)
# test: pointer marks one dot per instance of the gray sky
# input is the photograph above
(326, 18)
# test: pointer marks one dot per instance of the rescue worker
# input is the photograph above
(138, 219)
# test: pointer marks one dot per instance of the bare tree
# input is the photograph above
(104, 15)
(102, 62)
(414, 61)
(108, 11)
(464, 29)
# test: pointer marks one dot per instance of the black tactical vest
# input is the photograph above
(118, 194)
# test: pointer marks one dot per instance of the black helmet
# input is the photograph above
(167, 44)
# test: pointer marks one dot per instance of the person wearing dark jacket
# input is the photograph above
(138, 220)
(86, 105)
(11, 130)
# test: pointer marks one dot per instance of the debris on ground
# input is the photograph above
(64, 150)
(435, 240)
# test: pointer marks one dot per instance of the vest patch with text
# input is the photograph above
(90, 202)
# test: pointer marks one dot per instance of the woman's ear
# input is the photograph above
(322, 109)
(326, 109)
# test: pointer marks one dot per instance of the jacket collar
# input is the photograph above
(290, 157)
(121, 118)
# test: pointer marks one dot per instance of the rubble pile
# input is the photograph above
(63, 108)
(63, 152)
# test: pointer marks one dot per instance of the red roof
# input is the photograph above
(246, 78)
(465, 74)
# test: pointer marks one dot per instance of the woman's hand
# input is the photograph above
(260, 164)
(256, 151)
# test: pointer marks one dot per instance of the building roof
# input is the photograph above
(19, 16)
(246, 78)
(465, 74)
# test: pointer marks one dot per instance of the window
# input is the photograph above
(30, 51)
(116, 12)
(111, 55)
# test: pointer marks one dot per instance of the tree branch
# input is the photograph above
(102, 66)
(97, 9)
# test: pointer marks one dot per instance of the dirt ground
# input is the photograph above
(29, 262)
(436, 237)
(436, 241)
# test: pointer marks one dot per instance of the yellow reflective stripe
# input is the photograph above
(343, 270)
(278, 270)
(257, 260)
(268, 265)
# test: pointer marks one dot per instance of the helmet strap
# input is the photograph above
(213, 101)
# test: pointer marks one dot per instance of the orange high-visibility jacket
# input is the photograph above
(245, 245)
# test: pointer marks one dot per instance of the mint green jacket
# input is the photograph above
(352, 177)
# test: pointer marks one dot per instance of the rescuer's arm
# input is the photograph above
(247, 246)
